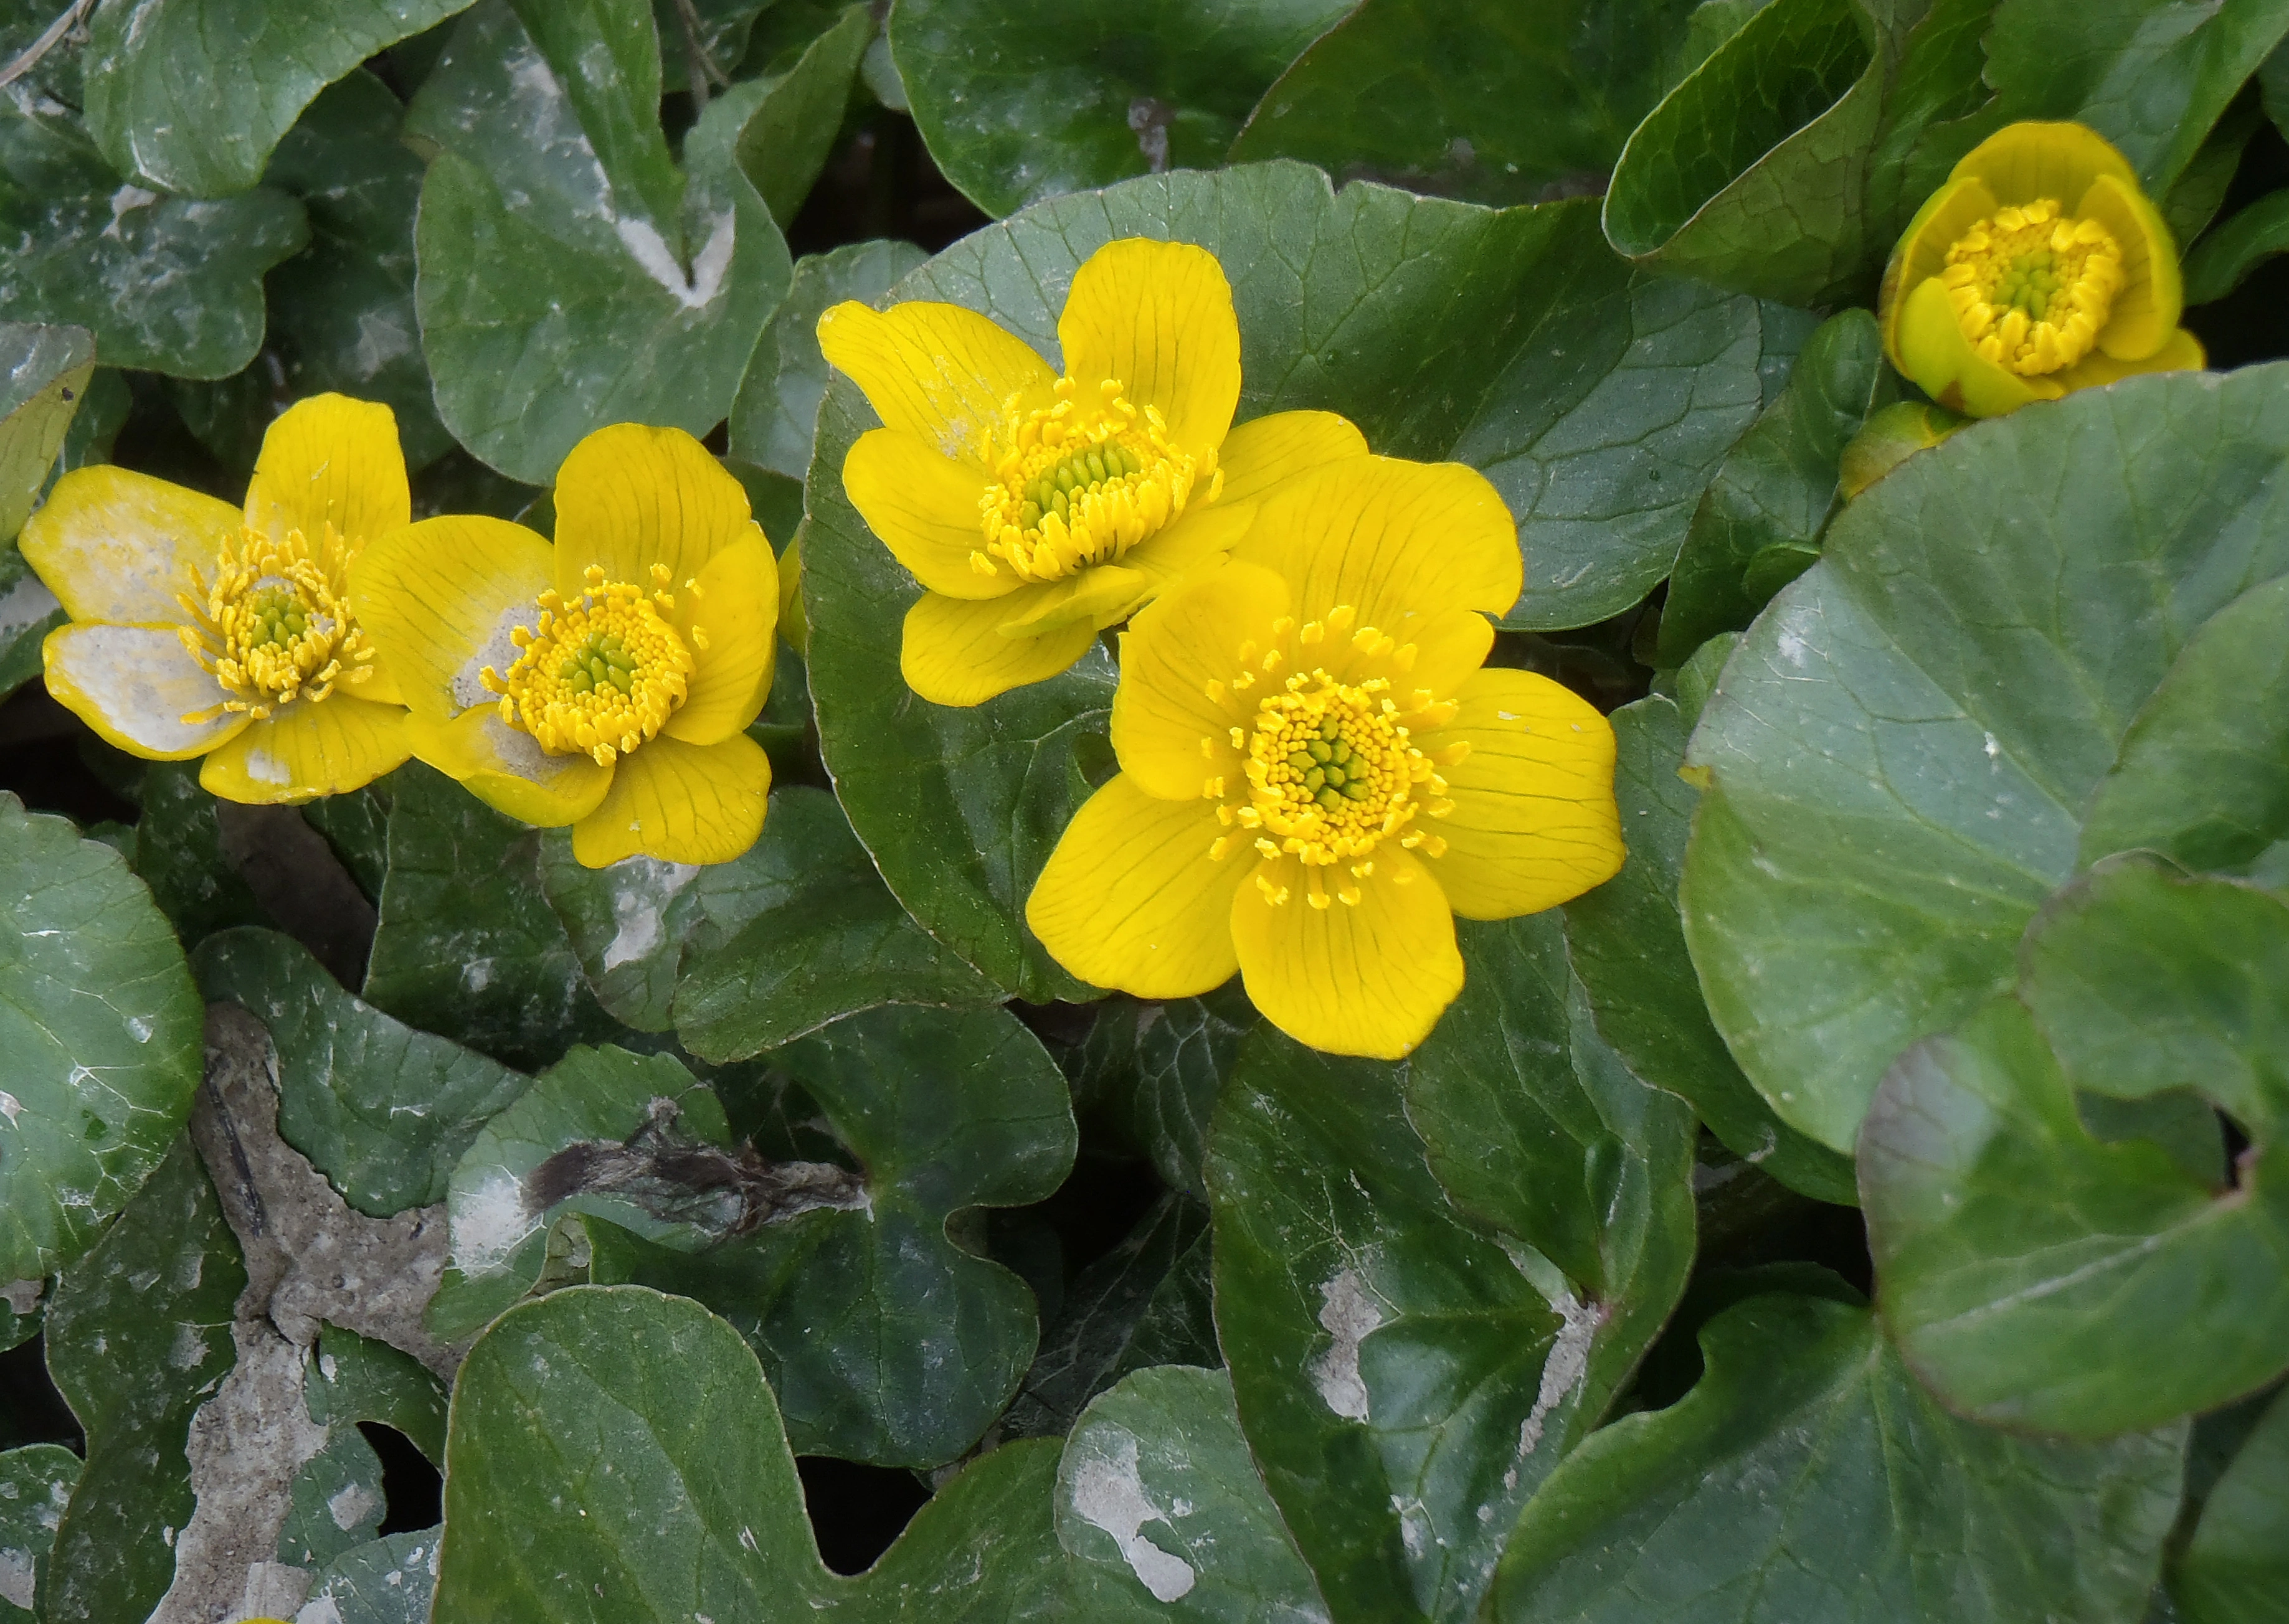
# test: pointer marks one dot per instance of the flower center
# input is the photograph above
(272, 624)
(600, 674)
(2032, 286)
(1079, 481)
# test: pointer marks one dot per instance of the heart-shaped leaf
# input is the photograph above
(36, 1485)
(2234, 1569)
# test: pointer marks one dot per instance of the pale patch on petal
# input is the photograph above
(134, 685)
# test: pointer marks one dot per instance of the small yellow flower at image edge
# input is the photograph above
(1037, 509)
(1317, 770)
(2040, 268)
(202, 629)
(605, 681)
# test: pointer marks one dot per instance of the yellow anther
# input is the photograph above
(273, 625)
(1219, 847)
(602, 675)
(2031, 286)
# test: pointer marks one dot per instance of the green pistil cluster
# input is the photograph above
(2030, 283)
(602, 661)
(278, 618)
(1329, 773)
(1053, 491)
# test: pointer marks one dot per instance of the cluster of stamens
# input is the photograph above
(1332, 765)
(271, 625)
(2032, 286)
(600, 674)
(1078, 482)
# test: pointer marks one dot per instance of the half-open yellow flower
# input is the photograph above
(1035, 509)
(200, 629)
(2039, 267)
(605, 682)
(1317, 772)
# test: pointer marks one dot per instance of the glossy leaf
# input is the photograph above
(467, 944)
(1021, 102)
(1777, 488)
(388, 1580)
(94, 244)
(1492, 100)
(36, 1485)
(777, 411)
(138, 1336)
(179, 853)
(361, 1380)
(1626, 941)
(100, 1027)
(28, 612)
(336, 1502)
(1903, 745)
(797, 114)
(2234, 1569)
(887, 1338)
(1807, 1475)
(570, 276)
(2225, 258)
(1154, 1070)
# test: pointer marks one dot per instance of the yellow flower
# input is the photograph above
(198, 630)
(1317, 772)
(1037, 510)
(2039, 267)
(606, 683)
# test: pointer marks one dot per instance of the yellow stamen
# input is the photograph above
(2032, 286)
(273, 625)
(1331, 771)
(600, 675)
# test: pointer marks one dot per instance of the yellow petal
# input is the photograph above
(440, 600)
(1131, 899)
(2153, 294)
(134, 685)
(679, 803)
(1449, 650)
(736, 613)
(330, 460)
(1365, 978)
(1535, 822)
(116, 545)
(1922, 251)
(506, 770)
(1201, 537)
(954, 652)
(924, 508)
(1934, 352)
(306, 750)
(629, 496)
(937, 371)
(1158, 316)
(1391, 540)
(1264, 452)
(2182, 352)
(1096, 597)
(2034, 159)
(794, 626)
(1177, 660)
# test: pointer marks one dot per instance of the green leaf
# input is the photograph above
(1398, 1371)
(336, 1502)
(360, 1379)
(466, 943)
(1626, 941)
(588, 1136)
(179, 853)
(1807, 1477)
(2150, 79)
(2038, 1277)
(98, 249)
(1157, 1493)
(44, 373)
(725, 26)
(816, 936)
(2199, 191)
(138, 1336)
(1512, 340)
(192, 95)
(383, 1111)
(343, 309)
(1154, 1070)
(1491, 100)
(1020, 100)
(570, 276)
(2224, 259)
(2235, 1570)
(101, 1028)
(1904, 742)
(777, 411)
(36, 1485)
(887, 1338)
(388, 1580)
(784, 127)
(1777, 488)
(581, 1486)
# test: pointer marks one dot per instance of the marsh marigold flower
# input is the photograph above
(1035, 509)
(2038, 268)
(198, 629)
(604, 682)
(1317, 772)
